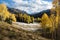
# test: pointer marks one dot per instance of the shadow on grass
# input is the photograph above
(48, 35)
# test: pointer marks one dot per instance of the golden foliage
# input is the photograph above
(50, 23)
(25, 18)
(46, 21)
(54, 20)
(28, 19)
(4, 13)
(12, 16)
(32, 19)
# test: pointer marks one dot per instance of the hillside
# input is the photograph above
(8, 32)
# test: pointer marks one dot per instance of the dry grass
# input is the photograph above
(7, 32)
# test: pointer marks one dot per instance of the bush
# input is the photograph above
(8, 20)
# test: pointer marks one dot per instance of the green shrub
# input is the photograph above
(8, 20)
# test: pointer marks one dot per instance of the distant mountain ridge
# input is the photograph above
(15, 11)
(39, 14)
(35, 15)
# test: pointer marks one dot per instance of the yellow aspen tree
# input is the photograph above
(12, 16)
(56, 21)
(25, 17)
(28, 19)
(45, 20)
(3, 11)
(46, 24)
(32, 19)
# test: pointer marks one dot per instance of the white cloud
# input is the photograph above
(32, 5)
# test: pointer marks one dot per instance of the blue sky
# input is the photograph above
(30, 6)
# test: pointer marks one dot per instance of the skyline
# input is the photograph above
(30, 6)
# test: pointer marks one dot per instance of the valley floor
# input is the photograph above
(29, 27)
